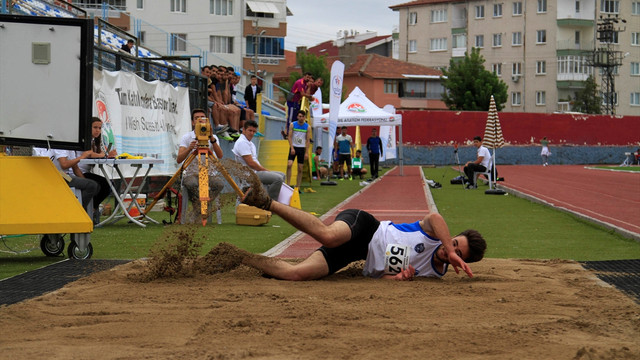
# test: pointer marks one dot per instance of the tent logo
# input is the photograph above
(357, 108)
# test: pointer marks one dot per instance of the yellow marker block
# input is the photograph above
(295, 200)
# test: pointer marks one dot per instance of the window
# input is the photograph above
(479, 41)
(179, 6)
(221, 7)
(479, 11)
(435, 89)
(517, 8)
(516, 98)
(497, 40)
(516, 69)
(415, 88)
(413, 18)
(497, 69)
(221, 44)
(576, 37)
(577, 6)
(541, 67)
(635, 8)
(613, 97)
(516, 38)
(438, 44)
(541, 97)
(541, 37)
(497, 10)
(391, 86)
(635, 99)
(459, 41)
(569, 65)
(412, 46)
(142, 35)
(438, 16)
(635, 38)
(635, 68)
(179, 42)
(610, 6)
(268, 46)
(140, 4)
(542, 6)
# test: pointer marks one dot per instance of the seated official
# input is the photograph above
(246, 154)
(190, 177)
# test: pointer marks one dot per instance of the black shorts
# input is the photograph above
(356, 171)
(363, 225)
(299, 154)
(345, 158)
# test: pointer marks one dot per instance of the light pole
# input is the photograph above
(256, 42)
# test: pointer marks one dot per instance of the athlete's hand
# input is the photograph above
(406, 274)
(456, 262)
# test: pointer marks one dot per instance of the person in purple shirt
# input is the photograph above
(298, 90)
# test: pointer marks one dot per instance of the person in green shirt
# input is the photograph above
(356, 165)
(318, 170)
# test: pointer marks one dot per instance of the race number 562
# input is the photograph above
(396, 258)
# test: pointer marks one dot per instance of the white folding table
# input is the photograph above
(121, 209)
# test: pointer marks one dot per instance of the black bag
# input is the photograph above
(457, 180)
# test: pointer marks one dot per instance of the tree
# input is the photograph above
(588, 100)
(316, 65)
(469, 85)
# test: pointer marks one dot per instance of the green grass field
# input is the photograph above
(513, 227)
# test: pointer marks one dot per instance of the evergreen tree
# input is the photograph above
(469, 85)
(588, 100)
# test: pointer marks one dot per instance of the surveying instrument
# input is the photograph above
(204, 154)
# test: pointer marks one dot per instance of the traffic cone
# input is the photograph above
(295, 199)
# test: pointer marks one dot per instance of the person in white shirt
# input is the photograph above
(481, 164)
(190, 178)
(391, 251)
(246, 154)
(67, 163)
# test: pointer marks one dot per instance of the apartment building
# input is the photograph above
(542, 49)
(245, 34)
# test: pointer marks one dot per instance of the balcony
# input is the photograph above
(571, 45)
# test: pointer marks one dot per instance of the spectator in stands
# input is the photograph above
(127, 47)
(481, 164)
(99, 150)
(190, 178)
(313, 86)
(223, 113)
(298, 90)
(299, 141)
(319, 169)
(251, 92)
(245, 112)
(356, 165)
(246, 154)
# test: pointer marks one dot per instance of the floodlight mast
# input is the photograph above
(608, 59)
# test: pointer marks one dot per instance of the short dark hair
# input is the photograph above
(197, 110)
(304, 113)
(254, 77)
(319, 147)
(130, 41)
(344, 127)
(477, 138)
(477, 245)
(250, 123)
(308, 73)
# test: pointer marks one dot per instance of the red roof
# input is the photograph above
(324, 48)
(382, 67)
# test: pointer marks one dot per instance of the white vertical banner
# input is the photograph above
(142, 118)
(335, 95)
(388, 137)
(316, 104)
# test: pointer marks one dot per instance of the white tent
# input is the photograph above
(357, 110)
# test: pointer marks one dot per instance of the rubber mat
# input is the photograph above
(623, 274)
(49, 278)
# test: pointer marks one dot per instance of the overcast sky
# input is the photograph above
(315, 21)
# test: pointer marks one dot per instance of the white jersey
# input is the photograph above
(395, 246)
(185, 142)
(486, 160)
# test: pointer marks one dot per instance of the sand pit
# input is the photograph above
(512, 309)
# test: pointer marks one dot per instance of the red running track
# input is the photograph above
(401, 199)
(611, 197)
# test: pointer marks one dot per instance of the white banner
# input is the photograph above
(335, 95)
(388, 137)
(316, 104)
(142, 118)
